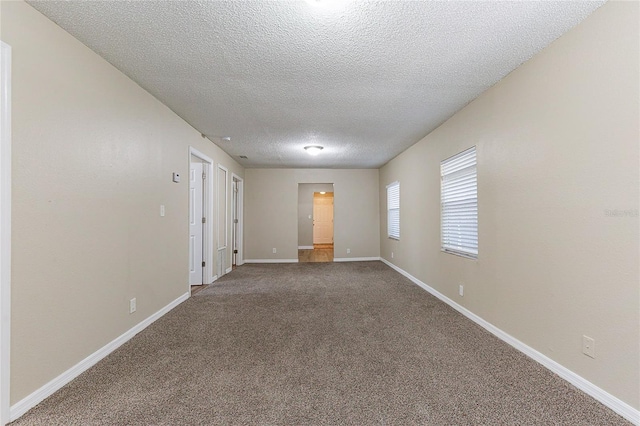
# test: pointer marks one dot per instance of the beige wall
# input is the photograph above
(271, 211)
(557, 145)
(305, 208)
(93, 157)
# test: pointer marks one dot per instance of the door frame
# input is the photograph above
(222, 241)
(5, 230)
(239, 214)
(207, 207)
(222, 216)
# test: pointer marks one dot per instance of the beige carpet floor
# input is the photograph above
(317, 344)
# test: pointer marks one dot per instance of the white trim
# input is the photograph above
(226, 205)
(229, 269)
(305, 247)
(208, 231)
(5, 230)
(208, 206)
(615, 404)
(355, 259)
(48, 389)
(271, 261)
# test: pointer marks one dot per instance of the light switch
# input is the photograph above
(162, 210)
(309, 216)
(588, 346)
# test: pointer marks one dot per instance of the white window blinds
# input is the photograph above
(459, 203)
(393, 210)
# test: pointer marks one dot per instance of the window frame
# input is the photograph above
(460, 173)
(390, 188)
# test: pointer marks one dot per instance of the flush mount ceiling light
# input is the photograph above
(331, 5)
(313, 149)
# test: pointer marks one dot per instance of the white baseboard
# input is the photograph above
(229, 269)
(355, 259)
(305, 247)
(271, 261)
(30, 401)
(615, 404)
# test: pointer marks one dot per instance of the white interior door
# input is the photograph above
(323, 219)
(234, 223)
(222, 183)
(195, 223)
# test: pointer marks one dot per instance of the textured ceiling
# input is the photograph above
(366, 80)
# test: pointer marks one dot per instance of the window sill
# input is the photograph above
(461, 254)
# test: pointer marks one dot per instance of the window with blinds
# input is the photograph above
(393, 210)
(459, 204)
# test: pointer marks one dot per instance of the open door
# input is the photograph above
(196, 221)
(322, 218)
(200, 222)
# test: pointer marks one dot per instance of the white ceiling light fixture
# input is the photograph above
(313, 149)
(331, 5)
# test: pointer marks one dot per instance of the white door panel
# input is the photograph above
(195, 224)
(322, 220)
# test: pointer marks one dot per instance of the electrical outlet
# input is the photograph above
(588, 346)
(461, 290)
(392, 255)
(348, 251)
(132, 305)
(274, 250)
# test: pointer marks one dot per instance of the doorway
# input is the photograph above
(315, 222)
(200, 213)
(237, 191)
